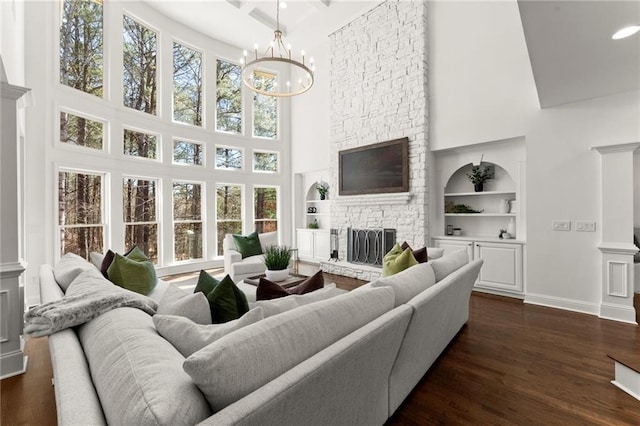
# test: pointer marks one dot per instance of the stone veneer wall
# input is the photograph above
(378, 92)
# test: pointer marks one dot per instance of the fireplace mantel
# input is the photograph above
(373, 199)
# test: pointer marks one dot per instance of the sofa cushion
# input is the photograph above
(137, 374)
(408, 283)
(420, 254)
(189, 337)
(193, 306)
(449, 263)
(226, 301)
(250, 265)
(243, 361)
(283, 304)
(397, 260)
(133, 273)
(248, 245)
(268, 290)
(96, 258)
(68, 268)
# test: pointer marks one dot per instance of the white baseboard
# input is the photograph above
(618, 313)
(562, 303)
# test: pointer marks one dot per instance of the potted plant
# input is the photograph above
(322, 188)
(277, 259)
(479, 176)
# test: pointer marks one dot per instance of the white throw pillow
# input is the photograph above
(408, 283)
(96, 259)
(178, 302)
(188, 337)
(449, 263)
(283, 304)
(68, 268)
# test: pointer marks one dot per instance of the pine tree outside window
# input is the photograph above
(187, 220)
(228, 158)
(228, 212)
(187, 85)
(80, 131)
(80, 213)
(265, 162)
(190, 153)
(139, 73)
(265, 202)
(265, 108)
(140, 217)
(228, 97)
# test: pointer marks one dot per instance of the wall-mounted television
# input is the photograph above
(375, 169)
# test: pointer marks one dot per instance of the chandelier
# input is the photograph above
(278, 52)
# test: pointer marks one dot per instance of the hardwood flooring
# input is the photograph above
(512, 364)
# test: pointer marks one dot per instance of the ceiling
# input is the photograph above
(571, 51)
(572, 54)
(242, 23)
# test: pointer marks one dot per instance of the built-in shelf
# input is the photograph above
(317, 201)
(483, 193)
(317, 214)
(482, 214)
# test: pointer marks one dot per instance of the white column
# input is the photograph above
(12, 359)
(617, 232)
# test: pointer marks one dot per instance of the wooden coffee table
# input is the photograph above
(291, 281)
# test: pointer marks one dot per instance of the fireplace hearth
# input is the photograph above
(368, 246)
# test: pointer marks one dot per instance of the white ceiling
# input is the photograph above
(242, 23)
(572, 54)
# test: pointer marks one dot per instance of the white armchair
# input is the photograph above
(239, 268)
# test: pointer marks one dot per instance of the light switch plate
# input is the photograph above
(561, 225)
(585, 226)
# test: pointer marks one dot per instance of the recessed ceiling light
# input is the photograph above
(626, 32)
(283, 5)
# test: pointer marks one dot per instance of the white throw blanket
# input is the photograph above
(88, 296)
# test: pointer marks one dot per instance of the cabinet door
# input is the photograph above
(450, 246)
(322, 246)
(304, 242)
(502, 268)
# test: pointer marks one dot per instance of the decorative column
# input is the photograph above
(617, 232)
(12, 359)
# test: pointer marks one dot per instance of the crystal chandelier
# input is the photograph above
(278, 52)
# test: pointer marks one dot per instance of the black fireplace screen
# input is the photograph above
(368, 246)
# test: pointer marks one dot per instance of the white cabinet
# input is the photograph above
(313, 244)
(501, 272)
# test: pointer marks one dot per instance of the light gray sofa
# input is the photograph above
(239, 268)
(350, 359)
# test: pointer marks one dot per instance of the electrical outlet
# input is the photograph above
(561, 225)
(585, 226)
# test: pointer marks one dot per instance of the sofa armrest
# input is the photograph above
(231, 257)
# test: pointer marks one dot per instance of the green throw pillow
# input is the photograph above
(132, 274)
(248, 245)
(394, 262)
(226, 301)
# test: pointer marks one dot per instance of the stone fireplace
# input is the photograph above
(378, 92)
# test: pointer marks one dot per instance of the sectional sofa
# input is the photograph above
(351, 358)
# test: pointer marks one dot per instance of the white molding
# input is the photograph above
(9, 91)
(373, 199)
(486, 290)
(562, 303)
(618, 248)
(620, 286)
(618, 313)
(12, 270)
(627, 379)
(622, 147)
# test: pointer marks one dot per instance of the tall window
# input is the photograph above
(265, 201)
(266, 162)
(187, 85)
(80, 213)
(139, 144)
(265, 108)
(187, 220)
(81, 46)
(80, 131)
(140, 219)
(139, 76)
(188, 153)
(228, 98)
(228, 211)
(228, 158)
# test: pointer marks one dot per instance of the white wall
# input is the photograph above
(480, 81)
(310, 118)
(12, 40)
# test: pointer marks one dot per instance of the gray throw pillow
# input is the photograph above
(193, 306)
(449, 263)
(188, 337)
(408, 283)
(68, 268)
(283, 304)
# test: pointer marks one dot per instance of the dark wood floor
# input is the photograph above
(511, 364)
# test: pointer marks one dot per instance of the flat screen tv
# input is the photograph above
(375, 169)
